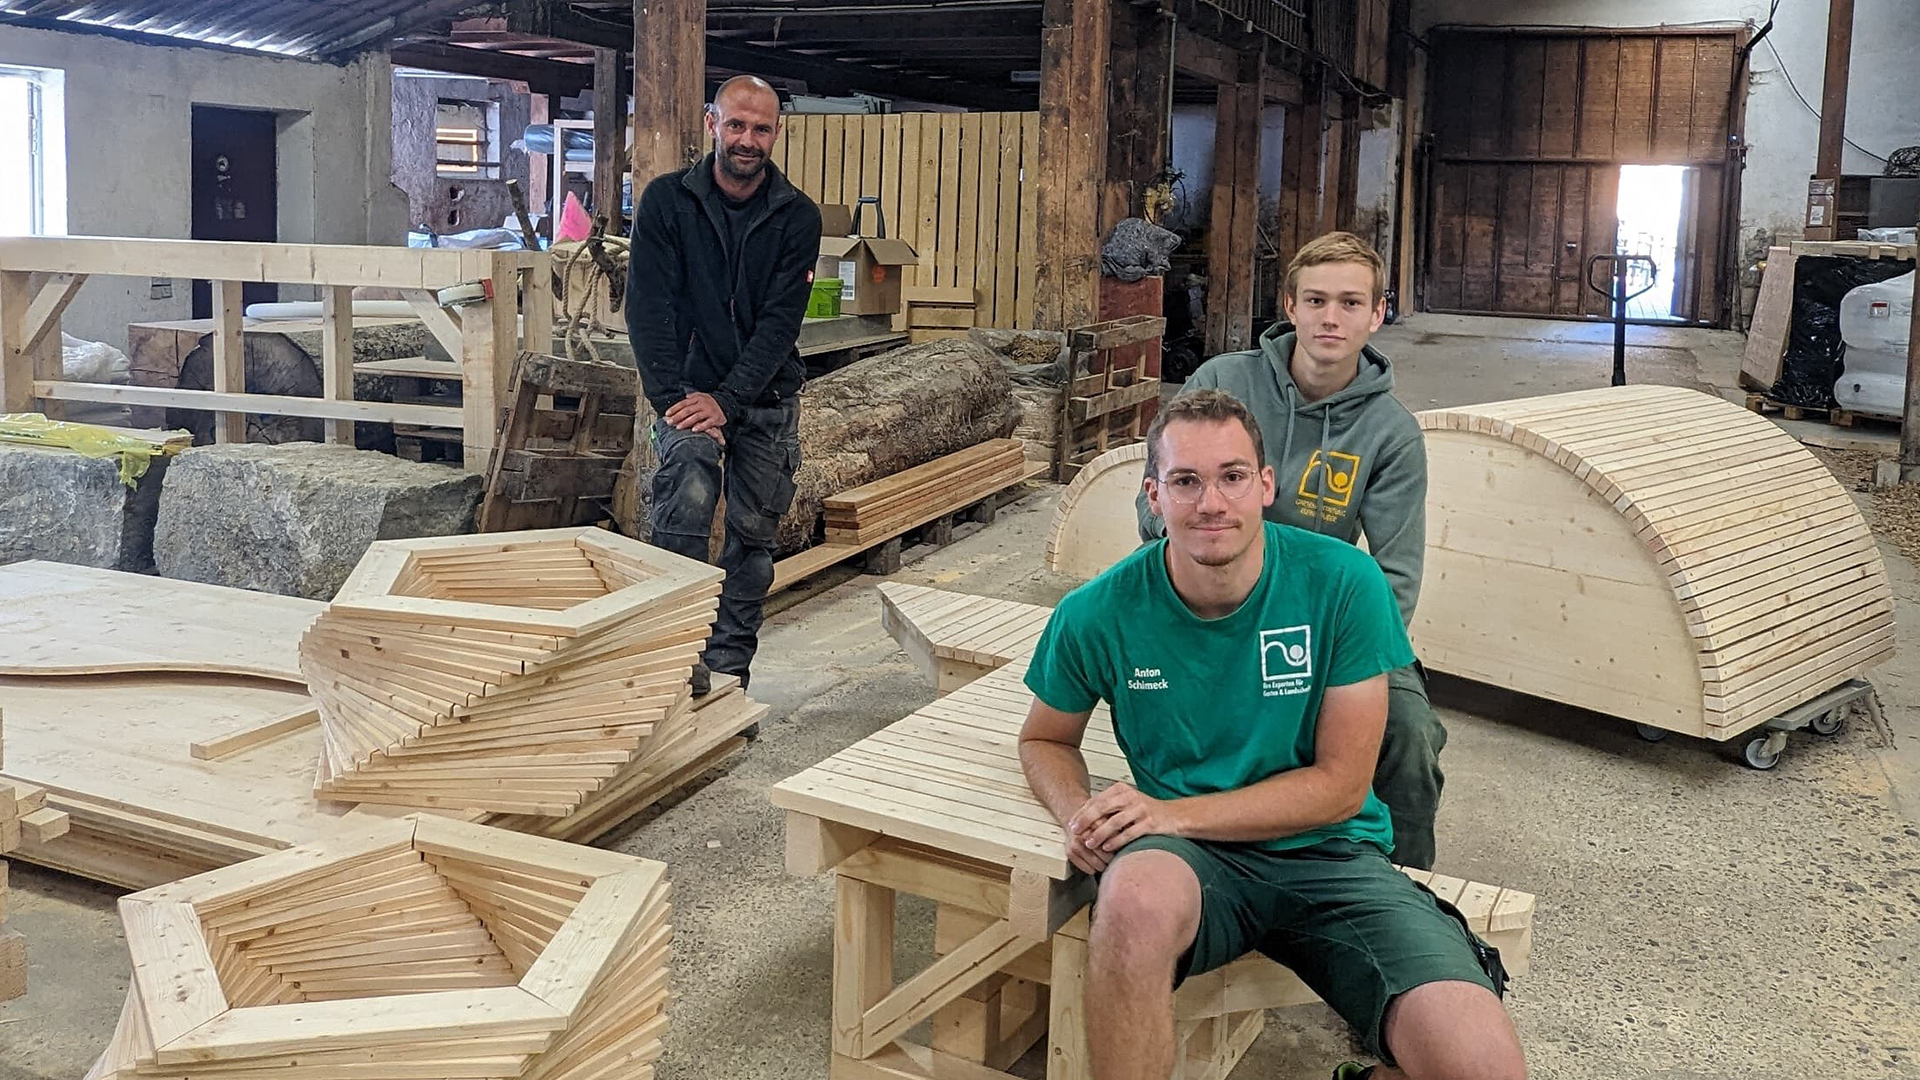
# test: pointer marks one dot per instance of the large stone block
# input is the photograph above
(295, 518)
(57, 505)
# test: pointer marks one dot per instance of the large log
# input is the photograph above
(865, 421)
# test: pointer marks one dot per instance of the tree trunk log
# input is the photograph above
(866, 421)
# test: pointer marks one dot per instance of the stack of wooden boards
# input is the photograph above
(111, 680)
(513, 673)
(24, 815)
(414, 948)
(889, 507)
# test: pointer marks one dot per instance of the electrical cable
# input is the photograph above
(1816, 112)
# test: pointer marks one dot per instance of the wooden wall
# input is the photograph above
(954, 185)
(1530, 130)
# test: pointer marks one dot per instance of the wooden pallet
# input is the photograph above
(566, 432)
(1839, 417)
(931, 520)
(420, 947)
(1104, 405)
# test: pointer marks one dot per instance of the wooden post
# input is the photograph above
(539, 111)
(1407, 240)
(229, 358)
(1236, 203)
(1833, 120)
(862, 959)
(669, 86)
(1139, 109)
(1074, 40)
(609, 138)
(17, 367)
(488, 335)
(336, 355)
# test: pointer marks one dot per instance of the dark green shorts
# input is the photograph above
(1356, 930)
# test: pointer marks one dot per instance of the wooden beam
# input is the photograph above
(43, 318)
(1833, 91)
(1205, 59)
(610, 127)
(246, 739)
(1236, 199)
(1139, 109)
(669, 87)
(1075, 38)
(20, 364)
(552, 77)
(230, 357)
(1910, 426)
(489, 336)
(228, 260)
(373, 412)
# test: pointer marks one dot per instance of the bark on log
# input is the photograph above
(865, 421)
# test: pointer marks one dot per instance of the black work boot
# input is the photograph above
(702, 680)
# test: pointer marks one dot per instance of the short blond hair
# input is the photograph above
(1338, 247)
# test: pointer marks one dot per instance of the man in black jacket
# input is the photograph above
(719, 275)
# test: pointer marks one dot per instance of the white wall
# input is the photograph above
(128, 113)
(1193, 127)
(1883, 86)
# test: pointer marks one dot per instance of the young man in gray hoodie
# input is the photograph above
(1349, 461)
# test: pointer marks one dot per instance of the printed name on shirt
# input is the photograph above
(1147, 679)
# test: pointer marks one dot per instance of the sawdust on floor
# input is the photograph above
(1892, 512)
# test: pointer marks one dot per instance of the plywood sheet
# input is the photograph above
(57, 619)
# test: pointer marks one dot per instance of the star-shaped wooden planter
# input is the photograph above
(507, 672)
(420, 947)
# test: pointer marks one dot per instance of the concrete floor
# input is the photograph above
(1696, 919)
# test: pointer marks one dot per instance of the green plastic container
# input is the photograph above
(825, 301)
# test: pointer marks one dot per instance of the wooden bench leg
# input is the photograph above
(994, 1024)
(862, 959)
(1067, 1011)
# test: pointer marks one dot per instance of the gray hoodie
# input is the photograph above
(1351, 463)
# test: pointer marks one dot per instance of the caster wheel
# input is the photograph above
(1830, 723)
(1651, 733)
(1756, 755)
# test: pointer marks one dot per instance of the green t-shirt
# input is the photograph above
(1207, 705)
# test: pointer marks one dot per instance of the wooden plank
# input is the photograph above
(223, 260)
(986, 222)
(235, 405)
(43, 317)
(833, 165)
(1026, 287)
(905, 172)
(951, 195)
(240, 741)
(872, 176)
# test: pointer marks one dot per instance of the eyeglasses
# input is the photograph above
(1186, 488)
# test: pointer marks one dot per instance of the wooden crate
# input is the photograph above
(1105, 404)
(568, 427)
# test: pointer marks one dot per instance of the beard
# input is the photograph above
(739, 170)
(1218, 557)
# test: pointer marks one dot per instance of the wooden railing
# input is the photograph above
(39, 277)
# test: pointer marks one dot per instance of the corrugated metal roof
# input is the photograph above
(319, 29)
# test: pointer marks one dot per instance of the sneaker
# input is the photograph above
(1352, 1070)
(702, 680)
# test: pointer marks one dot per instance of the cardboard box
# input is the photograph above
(869, 270)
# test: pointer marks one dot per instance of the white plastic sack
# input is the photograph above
(94, 362)
(1874, 322)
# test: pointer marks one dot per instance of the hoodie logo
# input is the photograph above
(1341, 472)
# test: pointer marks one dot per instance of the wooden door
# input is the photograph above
(1530, 130)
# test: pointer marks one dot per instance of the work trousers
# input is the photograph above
(755, 469)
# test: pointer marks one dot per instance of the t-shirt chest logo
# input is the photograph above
(1286, 661)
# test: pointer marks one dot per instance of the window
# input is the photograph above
(465, 134)
(33, 152)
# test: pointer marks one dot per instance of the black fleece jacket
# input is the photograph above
(701, 321)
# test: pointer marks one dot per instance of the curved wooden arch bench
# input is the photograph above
(1651, 552)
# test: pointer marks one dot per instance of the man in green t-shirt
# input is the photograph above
(1245, 665)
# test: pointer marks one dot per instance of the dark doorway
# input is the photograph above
(235, 186)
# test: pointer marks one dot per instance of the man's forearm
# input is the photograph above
(1057, 773)
(1291, 803)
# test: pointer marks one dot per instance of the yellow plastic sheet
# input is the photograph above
(135, 452)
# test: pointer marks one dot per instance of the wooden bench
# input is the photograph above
(936, 805)
(956, 638)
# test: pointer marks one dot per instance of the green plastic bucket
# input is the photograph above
(825, 301)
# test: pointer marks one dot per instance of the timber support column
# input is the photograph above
(1139, 109)
(669, 86)
(1236, 207)
(610, 129)
(1075, 36)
